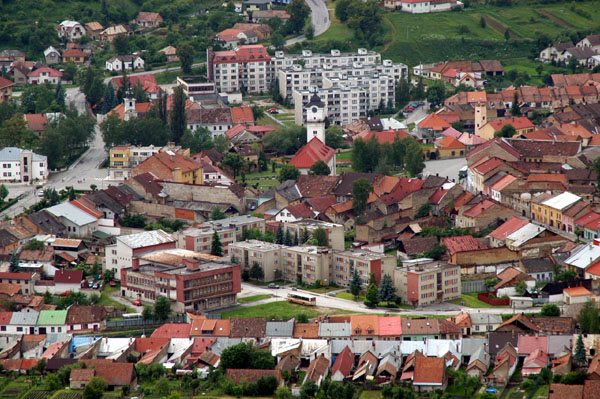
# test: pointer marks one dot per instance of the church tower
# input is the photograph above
(480, 117)
(316, 113)
(129, 103)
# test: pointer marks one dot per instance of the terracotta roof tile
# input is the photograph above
(306, 330)
(312, 152)
(462, 244)
(429, 370)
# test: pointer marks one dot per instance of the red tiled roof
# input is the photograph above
(365, 324)
(507, 228)
(235, 130)
(488, 165)
(563, 391)
(117, 374)
(5, 83)
(386, 136)
(437, 196)
(450, 143)
(51, 72)
(577, 291)
(242, 114)
(317, 368)
(434, 122)
(68, 276)
(306, 330)
(502, 183)
(429, 370)
(5, 318)
(140, 108)
(343, 362)
(452, 132)
(147, 81)
(242, 54)
(470, 139)
(73, 52)
(16, 275)
(300, 211)
(520, 122)
(528, 344)
(478, 209)
(547, 177)
(462, 244)
(590, 220)
(320, 204)
(390, 325)
(36, 122)
(172, 330)
(594, 269)
(312, 152)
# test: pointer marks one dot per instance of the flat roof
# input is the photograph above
(357, 253)
(235, 220)
(258, 245)
(315, 223)
(146, 238)
(562, 200)
(427, 267)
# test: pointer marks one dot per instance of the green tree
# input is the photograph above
(147, 313)
(162, 308)
(596, 168)
(414, 163)
(280, 235)
(287, 237)
(424, 210)
(288, 172)
(387, 292)
(334, 136)
(515, 108)
(178, 122)
(286, 139)
(580, 353)
(277, 40)
(121, 44)
(482, 23)
(186, 54)
(52, 382)
(355, 284)
(365, 154)
(320, 236)
(216, 247)
(257, 272)
(402, 93)
(507, 131)
(302, 318)
(235, 162)
(319, 168)
(341, 9)
(299, 12)
(309, 389)
(436, 93)
(361, 189)
(162, 386)
(305, 236)
(295, 240)
(217, 214)
(95, 388)
(419, 92)
(550, 310)
(14, 263)
(589, 319)
(371, 296)
(521, 287)
(3, 193)
(309, 31)
(283, 392)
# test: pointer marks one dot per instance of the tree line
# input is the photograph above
(403, 154)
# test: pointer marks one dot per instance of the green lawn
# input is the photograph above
(321, 290)
(254, 298)
(281, 310)
(346, 155)
(106, 300)
(470, 300)
(370, 394)
(347, 295)
(336, 30)
(265, 180)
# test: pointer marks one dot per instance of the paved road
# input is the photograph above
(445, 167)
(324, 300)
(319, 18)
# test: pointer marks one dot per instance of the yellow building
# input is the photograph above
(550, 211)
(123, 158)
(521, 124)
(5, 89)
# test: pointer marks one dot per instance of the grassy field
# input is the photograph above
(254, 298)
(370, 394)
(413, 39)
(281, 310)
(265, 180)
(470, 300)
(106, 300)
(350, 297)
(321, 290)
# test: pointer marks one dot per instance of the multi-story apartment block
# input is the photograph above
(239, 223)
(423, 282)
(200, 239)
(365, 262)
(123, 158)
(298, 77)
(246, 68)
(267, 255)
(334, 58)
(307, 264)
(196, 87)
(335, 232)
(23, 166)
(347, 98)
(198, 284)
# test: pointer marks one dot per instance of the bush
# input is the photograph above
(391, 305)
(369, 304)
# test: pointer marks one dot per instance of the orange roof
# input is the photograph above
(340, 207)
(577, 291)
(306, 330)
(476, 97)
(386, 136)
(450, 143)
(242, 54)
(429, 370)
(434, 122)
(595, 140)
(36, 122)
(537, 135)
(518, 123)
(140, 108)
(391, 325)
(548, 177)
(312, 152)
(575, 129)
(502, 183)
(365, 324)
(507, 228)
(176, 160)
(242, 114)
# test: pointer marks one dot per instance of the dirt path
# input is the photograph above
(556, 19)
(499, 27)
(394, 32)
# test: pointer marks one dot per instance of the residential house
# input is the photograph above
(52, 56)
(67, 281)
(551, 211)
(77, 221)
(430, 374)
(109, 34)
(73, 55)
(70, 30)
(432, 126)
(576, 295)
(535, 362)
(23, 166)
(170, 166)
(5, 89)
(148, 20)
(9, 56)
(94, 30)
(44, 75)
(129, 62)
(541, 269)
(318, 370)
(171, 53)
(554, 51)
(521, 124)
(343, 365)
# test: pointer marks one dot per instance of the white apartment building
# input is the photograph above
(301, 78)
(347, 98)
(245, 68)
(199, 239)
(334, 58)
(23, 166)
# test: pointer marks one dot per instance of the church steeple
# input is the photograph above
(316, 113)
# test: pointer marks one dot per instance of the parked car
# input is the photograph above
(40, 193)
(273, 285)
(113, 283)
(95, 286)
(137, 302)
(272, 111)
(90, 284)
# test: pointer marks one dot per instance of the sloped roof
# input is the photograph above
(390, 325)
(343, 362)
(434, 122)
(242, 114)
(306, 330)
(248, 327)
(429, 371)
(462, 244)
(317, 368)
(312, 152)
(300, 211)
(172, 330)
(68, 276)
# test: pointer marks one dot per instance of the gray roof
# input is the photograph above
(288, 190)
(538, 265)
(24, 318)
(558, 343)
(235, 220)
(223, 342)
(47, 222)
(480, 355)
(72, 213)
(485, 318)
(335, 330)
(279, 329)
(472, 345)
(13, 154)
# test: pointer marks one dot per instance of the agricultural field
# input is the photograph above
(67, 395)
(422, 38)
(13, 390)
(37, 394)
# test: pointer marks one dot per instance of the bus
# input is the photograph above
(132, 316)
(302, 299)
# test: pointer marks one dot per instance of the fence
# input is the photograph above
(473, 286)
(485, 297)
(142, 323)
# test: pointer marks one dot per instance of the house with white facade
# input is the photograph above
(44, 75)
(70, 30)
(128, 62)
(422, 6)
(22, 166)
(78, 222)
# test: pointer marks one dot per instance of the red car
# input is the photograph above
(272, 111)
(137, 303)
